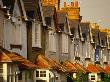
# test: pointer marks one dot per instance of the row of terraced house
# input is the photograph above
(42, 42)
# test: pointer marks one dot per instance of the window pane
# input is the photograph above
(48, 21)
(42, 73)
(92, 77)
(1, 68)
(37, 73)
(20, 76)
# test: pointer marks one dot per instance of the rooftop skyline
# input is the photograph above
(94, 11)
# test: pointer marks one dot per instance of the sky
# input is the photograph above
(94, 11)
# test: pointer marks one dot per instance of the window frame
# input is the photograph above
(1, 68)
(92, 77)
(37, 73)
(42, 73)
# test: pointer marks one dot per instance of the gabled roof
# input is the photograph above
(80, 67)
(95, 69)
(70, 66)
(75, 67)
(6, 56)
(43, 62)
(24, 63)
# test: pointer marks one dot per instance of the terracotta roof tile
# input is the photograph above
(4, 57)
(80, 67)
(95, 69)
(24, 63)
(41, 62)
(70, 66)
(107, 68)
(7, 56)
(47, 63)
(100, 68)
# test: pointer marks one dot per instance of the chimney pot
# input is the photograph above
(72, 4)
(64, 4)
(76, 4)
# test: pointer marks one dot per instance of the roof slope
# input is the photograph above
(47, 63)
(95, 69)
(70, 66)
(7, 56)
(107, 69)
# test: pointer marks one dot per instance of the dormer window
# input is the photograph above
(48, 21)
(30, 14)
(61, 26)
(84, 35)
(6, 3)
(72, 30)
(9, 4)
(102, 43)
(93, 38)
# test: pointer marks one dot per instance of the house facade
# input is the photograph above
(57, 33)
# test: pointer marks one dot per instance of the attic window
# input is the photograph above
(6, 3)
(72, 30)
(84, 35)
(61, 26)
(102, 42)
(30, 14)
(48, 21)
(93, 38)
(9, 4)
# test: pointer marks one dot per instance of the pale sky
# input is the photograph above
(95, 11)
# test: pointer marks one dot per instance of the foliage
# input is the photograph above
(80, 77)
(106, 77)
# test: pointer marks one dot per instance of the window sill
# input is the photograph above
(17, 46)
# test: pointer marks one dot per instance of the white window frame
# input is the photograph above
(92, 77)
(36, 35)
(42, 73)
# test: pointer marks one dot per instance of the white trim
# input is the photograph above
(23, 9)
